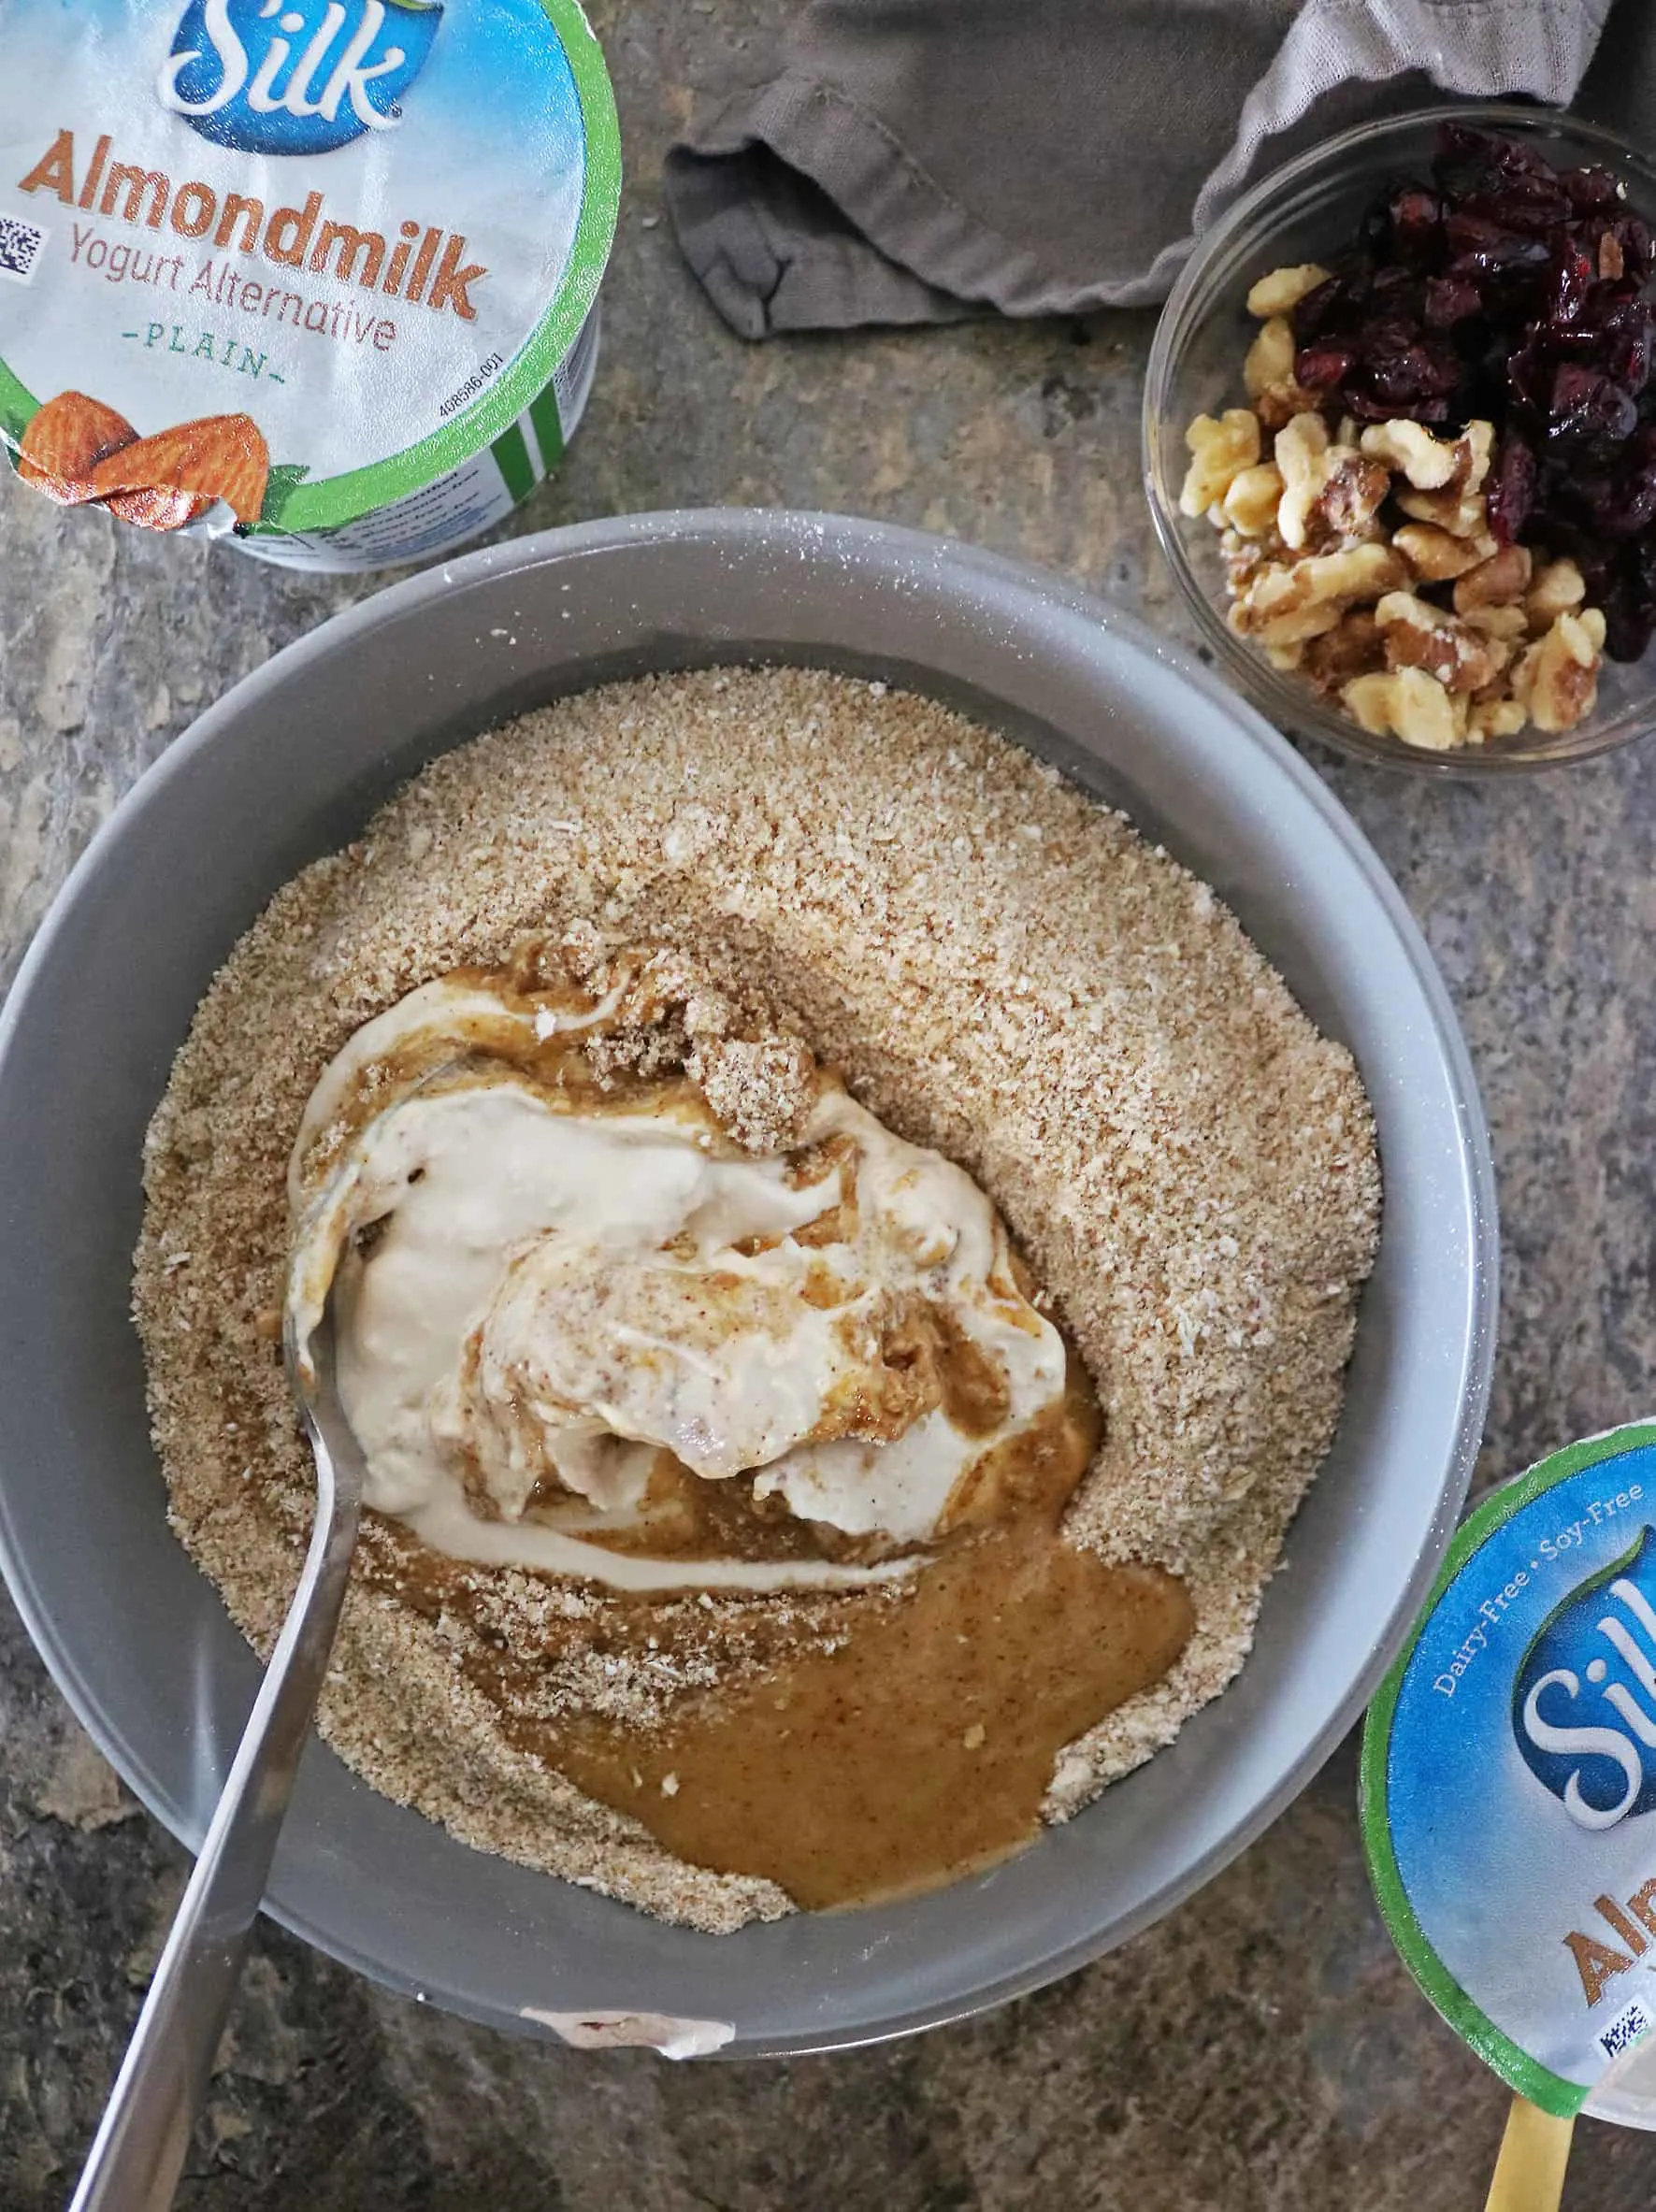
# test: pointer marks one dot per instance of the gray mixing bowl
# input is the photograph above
(287, 767)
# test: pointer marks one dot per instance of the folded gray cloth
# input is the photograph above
(914, 161)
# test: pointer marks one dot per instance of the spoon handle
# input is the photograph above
(144, 2136)
(1530, 2172)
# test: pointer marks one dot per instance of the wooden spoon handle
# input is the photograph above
(1530, 2172)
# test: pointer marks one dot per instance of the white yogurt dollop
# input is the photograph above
(552, 1296)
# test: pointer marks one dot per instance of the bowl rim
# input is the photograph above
(1290, 706)
(782, 534)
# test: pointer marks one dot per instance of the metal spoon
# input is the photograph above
(140, 2149)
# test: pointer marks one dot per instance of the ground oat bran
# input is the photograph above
(1002, 970)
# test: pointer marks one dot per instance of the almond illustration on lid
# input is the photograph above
(319, 276)
(64, 443)
(218, 457)
(77, 452)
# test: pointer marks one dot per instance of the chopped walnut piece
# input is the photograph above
(1251, 504)
(1420, 636)
(1287, 657)
(1411, 705)
(1353, 490)
(1502, 581)
(1463, 514)
(1292, 625)
(1479, 444)
(1219, 451)
(1270, 360)
(1593, 626)
(1300, 450)
(1435, 556)
(1354, 647)
(1244, 557)
(1283, 289)
(1556, 590)
(1283, 605)
(1556, 679)
(1612, 262)
(1357, 572)
(1494, 718)
(1506, 623)
(1429, 463)
(1282, 402)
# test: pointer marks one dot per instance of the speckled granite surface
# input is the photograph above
(1260, 2048)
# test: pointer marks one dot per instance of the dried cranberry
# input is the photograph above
(1568, 283)
(1449, 300)
(1323, 368)
(1516, 157)
(1382, 335)
(1527, 204)
(1512, 490)
(1591, 189)
(1604, 507)
(1630, 617)
(1593, 561)
(1466, 234)
(1469, 160)
(1585, 404)
(1401, 374)
(1481, 251)
(1395, 294)
(1441, 369)
(1370, 410)
(1629, 345)
(1529, 371)
(1333, 303)
(1414, 215)
(1631, 508)
(1638, 563)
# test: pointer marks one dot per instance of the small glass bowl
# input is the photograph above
(1309, 212)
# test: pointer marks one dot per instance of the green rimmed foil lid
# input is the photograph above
(1509, 1774)
(374, 229)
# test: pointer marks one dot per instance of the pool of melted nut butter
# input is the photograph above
(916, 1750)
(915, 1743)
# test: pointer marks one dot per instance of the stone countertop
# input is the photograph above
(1259, 2048)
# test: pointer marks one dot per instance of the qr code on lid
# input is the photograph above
(1624, 2031)
(19, 247)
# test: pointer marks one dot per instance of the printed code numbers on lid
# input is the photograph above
(1624, 2031)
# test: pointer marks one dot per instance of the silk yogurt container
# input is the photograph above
(321, 275)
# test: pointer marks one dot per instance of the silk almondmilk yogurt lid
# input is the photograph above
(1509, 1782)
(323, 272)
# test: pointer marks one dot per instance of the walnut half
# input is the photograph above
(1283, 289)
(1420, 636)
(1219, 451)
(1556, 681)
(1284, 605)
(1409, 704)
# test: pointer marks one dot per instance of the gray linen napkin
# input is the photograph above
(916, 161)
